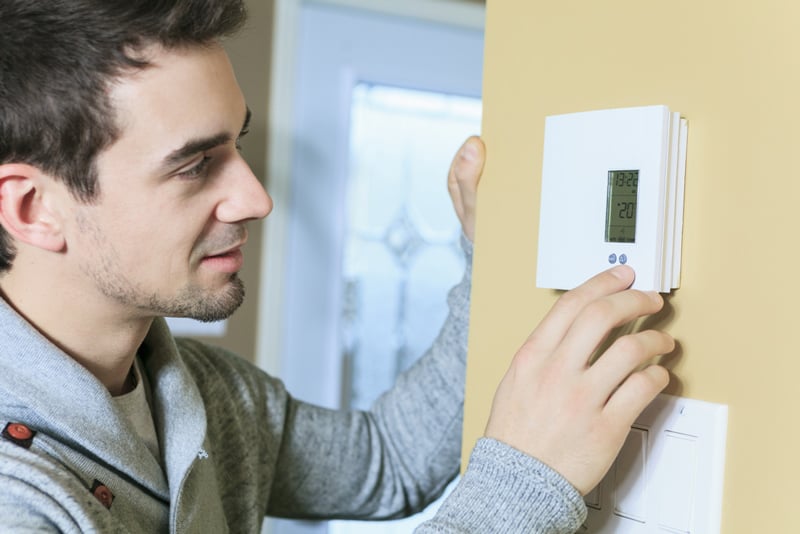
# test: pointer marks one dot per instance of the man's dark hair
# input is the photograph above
(58, 59)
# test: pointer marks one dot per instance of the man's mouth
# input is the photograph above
(230, 261)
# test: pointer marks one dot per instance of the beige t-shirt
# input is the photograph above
(136, 407)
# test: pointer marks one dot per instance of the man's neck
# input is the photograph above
(91, 331)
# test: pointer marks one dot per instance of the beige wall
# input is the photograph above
(732, 67)
(250, 55)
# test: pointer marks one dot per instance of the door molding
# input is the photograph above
(469, 14)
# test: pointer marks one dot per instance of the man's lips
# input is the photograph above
(229, 261)
(226, 251)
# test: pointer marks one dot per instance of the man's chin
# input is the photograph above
(210, 308)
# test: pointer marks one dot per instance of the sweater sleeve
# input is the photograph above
(392, 460)
(504, 490)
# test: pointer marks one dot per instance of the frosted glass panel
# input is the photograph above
(401, 251)
(430, 275)
(374, 293)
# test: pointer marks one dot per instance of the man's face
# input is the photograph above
(164, 236)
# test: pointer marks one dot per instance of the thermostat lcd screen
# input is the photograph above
(623, 189)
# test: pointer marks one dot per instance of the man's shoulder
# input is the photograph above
(204, 358)
(214, 368)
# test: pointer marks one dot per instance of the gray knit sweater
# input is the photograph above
(235, 446)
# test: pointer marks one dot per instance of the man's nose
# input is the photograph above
(245, 197)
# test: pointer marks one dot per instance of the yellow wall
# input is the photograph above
(732, 67)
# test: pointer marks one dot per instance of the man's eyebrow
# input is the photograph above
(196, 146)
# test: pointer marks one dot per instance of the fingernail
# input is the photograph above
(469, 152)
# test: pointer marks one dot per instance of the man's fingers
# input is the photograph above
(635, 393)
(592, 326)
(552, 329)
(627, 354)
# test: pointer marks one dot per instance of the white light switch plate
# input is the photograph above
(668, 476)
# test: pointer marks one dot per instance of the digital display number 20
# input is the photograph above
(621, 201)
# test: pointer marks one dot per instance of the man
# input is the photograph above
(124, 199)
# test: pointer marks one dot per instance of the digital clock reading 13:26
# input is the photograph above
(623, 188)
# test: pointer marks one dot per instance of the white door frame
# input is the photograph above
(467, 14)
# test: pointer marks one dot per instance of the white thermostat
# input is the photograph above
(612, 193)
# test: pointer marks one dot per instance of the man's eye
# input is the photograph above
(198, 170)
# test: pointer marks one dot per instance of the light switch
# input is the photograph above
(668, 477)
(629, 477)
(674, 482)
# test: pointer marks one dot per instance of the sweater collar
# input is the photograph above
(46, 389)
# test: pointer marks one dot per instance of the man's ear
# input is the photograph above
(25, 210)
